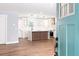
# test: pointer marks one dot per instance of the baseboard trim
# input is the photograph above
(12, 42)
(2, 43)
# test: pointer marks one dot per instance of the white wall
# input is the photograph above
(3, 29)
(25, 8)
(12, 28)
(9, 28)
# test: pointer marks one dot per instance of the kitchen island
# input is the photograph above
(38, 35)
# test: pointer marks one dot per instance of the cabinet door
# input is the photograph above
(3, 32)
(44, 35)
(35, 35)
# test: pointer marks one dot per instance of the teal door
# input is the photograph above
(62, 39)
(70, 39)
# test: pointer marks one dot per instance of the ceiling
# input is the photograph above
(26, 8)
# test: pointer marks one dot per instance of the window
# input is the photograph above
(61, 10)
(70, 7)
(66, 9)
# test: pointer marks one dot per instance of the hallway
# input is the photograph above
(28, 48)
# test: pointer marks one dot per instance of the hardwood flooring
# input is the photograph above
(27, 48)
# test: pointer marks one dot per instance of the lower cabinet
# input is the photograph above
(40, 35)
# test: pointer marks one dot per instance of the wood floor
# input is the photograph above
(27, 48)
